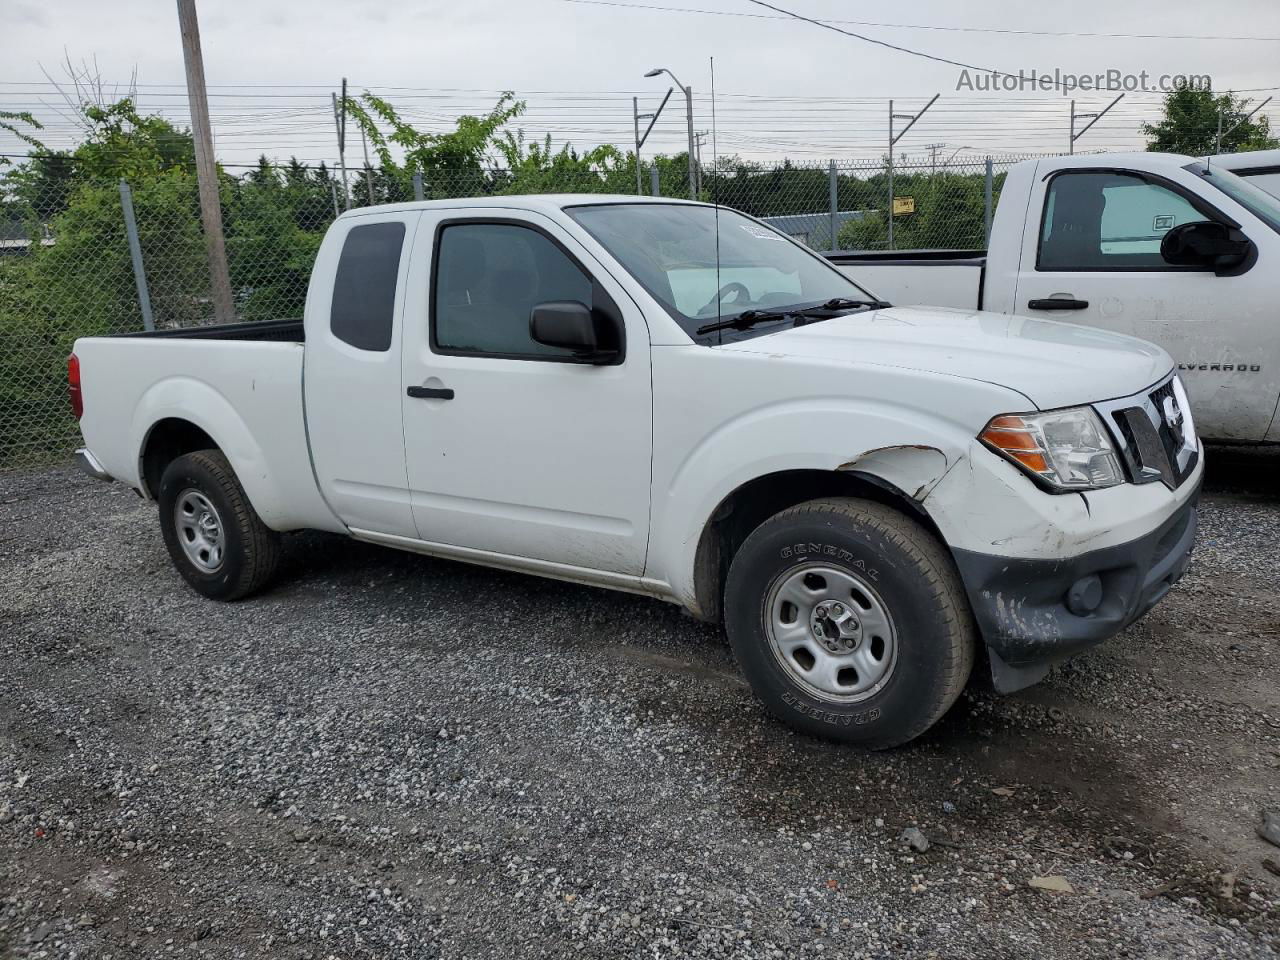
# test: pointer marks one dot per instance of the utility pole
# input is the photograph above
(368, 167)
(635, 123)
(698, 138)
(206, 168)
(636, 117)
(933, 149)
(1095, 117)
(911, 118)
(340, 124)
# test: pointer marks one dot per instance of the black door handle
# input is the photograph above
(1058, 303)
(431, 393)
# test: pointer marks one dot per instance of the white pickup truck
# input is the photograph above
(1259, 167)
(665, 398)
(1177, 251)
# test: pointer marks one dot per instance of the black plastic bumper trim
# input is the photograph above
(1020, 604)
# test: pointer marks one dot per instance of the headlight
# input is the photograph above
(1063, 449)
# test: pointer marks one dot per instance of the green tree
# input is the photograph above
(76, 278)
(950, 212)
(1191, 122)
(123, 144)
(452, 164)
(9, 121)
(535, 167)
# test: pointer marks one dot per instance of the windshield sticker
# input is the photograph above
(761, 233)
(1163, 221)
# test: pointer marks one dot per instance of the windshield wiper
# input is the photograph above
(834, 307)
(802, 315)
(844, 303)
(746, 319)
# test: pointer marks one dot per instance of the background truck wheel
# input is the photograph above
(850, 622)
(215, 538)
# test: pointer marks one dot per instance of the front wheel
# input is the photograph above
(214, 536)
(849, 621)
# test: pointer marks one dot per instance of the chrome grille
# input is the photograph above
(1156, 435)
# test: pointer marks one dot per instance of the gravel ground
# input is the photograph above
(392, 756)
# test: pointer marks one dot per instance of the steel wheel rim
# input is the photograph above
(830, 631)
(200, 530)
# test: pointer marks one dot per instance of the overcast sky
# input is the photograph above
(786, 88)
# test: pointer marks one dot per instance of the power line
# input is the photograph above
(923, 26)
(881, 43)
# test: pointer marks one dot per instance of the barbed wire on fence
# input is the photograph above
(66, 268)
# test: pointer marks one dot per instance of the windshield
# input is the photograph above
(1254, 199)
(671, 250)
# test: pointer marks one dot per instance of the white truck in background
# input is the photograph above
(1176, 251)
(1259, 167)
(664, 398)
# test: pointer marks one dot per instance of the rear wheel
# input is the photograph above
(214, 536)
(849, 621)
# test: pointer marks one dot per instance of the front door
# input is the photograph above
(1093, 257)
(513, 447)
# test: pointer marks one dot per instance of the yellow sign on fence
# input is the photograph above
(904, 205)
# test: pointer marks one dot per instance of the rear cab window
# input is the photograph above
(362, 313)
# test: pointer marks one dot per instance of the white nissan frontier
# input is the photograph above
(673, 399)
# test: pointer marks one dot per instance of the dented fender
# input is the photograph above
(794, 441)
(913, 468)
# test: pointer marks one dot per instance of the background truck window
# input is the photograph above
(1108, 221)
(364, 288)
(489, 277)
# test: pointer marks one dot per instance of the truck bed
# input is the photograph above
(936, 278)
(247, 389)
(273, 331)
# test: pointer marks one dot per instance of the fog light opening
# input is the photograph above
(1085, 595)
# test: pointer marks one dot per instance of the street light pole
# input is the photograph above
(688, 104)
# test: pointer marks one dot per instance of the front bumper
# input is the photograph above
(1035, 612)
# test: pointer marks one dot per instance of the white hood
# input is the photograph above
(1051, 363)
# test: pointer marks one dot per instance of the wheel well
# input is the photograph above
(169, 439)
(757, 500)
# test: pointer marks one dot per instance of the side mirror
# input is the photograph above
(575, 326)
(1206, 243)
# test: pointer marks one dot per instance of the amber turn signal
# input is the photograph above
(1013, 437)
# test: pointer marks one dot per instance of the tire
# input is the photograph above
(878, 673)
(226, 558)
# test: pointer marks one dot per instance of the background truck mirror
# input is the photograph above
(1206, 243)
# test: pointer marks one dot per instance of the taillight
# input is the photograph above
(73, 386)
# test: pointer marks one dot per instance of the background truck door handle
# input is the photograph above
(431, 393)
(1058, 303)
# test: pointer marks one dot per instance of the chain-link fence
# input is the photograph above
(82, 256)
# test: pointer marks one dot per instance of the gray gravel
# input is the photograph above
(390, 756)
